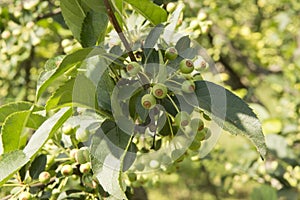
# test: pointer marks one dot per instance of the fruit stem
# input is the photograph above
(167, 62)
(62, 159)
(61, 147)
(113, 20)
(12, 185)
(174, 104)
(170, 124)
(173, 75)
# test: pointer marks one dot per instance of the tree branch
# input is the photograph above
(211, 186)
(235, 80)
(117, 27)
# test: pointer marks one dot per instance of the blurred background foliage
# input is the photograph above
(255, 45)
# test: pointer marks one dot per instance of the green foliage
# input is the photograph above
(239, 118)
(10, 108)
(20, 106)
(105, 88)
(150, 11)
(265, 192)
(117, 143)
(67, 63)
(108, 149)
(12, 129)
(64, 96)
(86, 19)
(46, 131)
(10, 163)
(14, 160)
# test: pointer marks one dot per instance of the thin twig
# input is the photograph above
(117, 27)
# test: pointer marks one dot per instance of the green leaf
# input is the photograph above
(86, 19)
(53, 63)
(10, 108)
(38, 166)
(230, 112)
(149, 10)
(35, 119)
(93, 28)
(108, 149)
(10, 163)
(84, 92)
(118, 5)
(104, 91)
(184, 48)
(153, 36)
(45, 131)
(12, 129)
(151, 39)
(183, 44)
(264, 192)
(68, 62)
(74, 15)
(95, 5)
(79, 90)
(7, 109)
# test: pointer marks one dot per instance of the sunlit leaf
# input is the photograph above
(109, 147)
(93, 28)
(7, 109)
(80, 91)
(10, 163)
(15, 112)
(86, 19)
(12, 129)
(45, 131)
(105, 88)
(149, 10)
(151, 39)
(230, 112)
(68, 62)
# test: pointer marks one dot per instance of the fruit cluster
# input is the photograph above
(144, 171)
(68, 168)
(159, 90)
(161, 129)
(69, 171)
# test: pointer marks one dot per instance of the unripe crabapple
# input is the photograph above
(188, 86)
(82, 156)
(171, 53)
(182, 119)
(44, 177)
(171, 7)
(148, 101)
(85, 168)
(133, 68)
(67, 170)
(160, 91)
(67, 129)
(186, 66)
(200, 64)
(25, 196)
